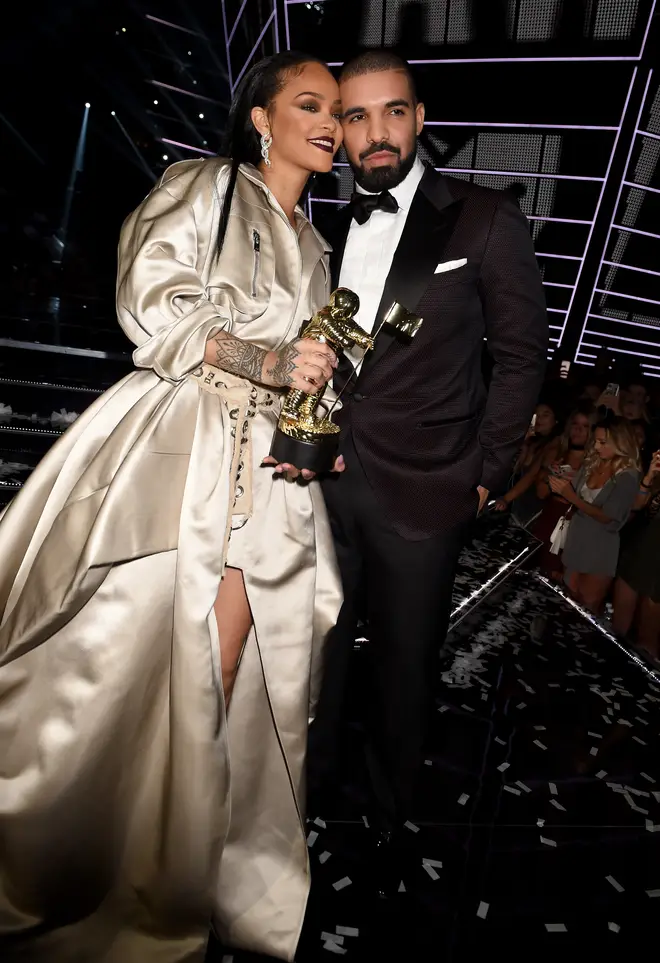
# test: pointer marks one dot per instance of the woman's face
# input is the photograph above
(545, 420)
(579, 431)
(631, 408)
(640, 436)
(604, 448)
(592, 392)
(304, 121)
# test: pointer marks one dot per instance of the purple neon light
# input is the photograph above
(277, 29)
(558, 284)
(635, 324)
(646, 32)
(224, 24)
(557, 310)
(557, 177)
(327, 200)
(623, 337)
(252, 52)
(635, 230)
(621, 350)
(555, 327)
(631, 297)
(478, 123)
(641, 187)
(188, 93)
(238, 17)
(600, 197)
(556, 220)
(564, 257)
(647, 133)
(629, 267)
(177, 143)
(513, 60)
(286, 25)
(176, 26)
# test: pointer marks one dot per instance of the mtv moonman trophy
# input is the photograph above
(301, 438)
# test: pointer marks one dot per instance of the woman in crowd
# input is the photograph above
(522, 496)
(153, 570)
(601, 498)
(637, 588)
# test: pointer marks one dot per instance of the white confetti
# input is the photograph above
(332, 938)
(320, 822)
(467, 708)
(557, 805)
(540, 823)
(443, 708)
(411, 827)
(523, 786)
(311, 839)
(521, 705)
(503, 766)
(653, 893)
(547, 842)
(556, 928)
(430, 870)
(433, 862)
(593, 751)
(594, 735)
(365, 821)
(482, 911)
(601, 774)
(462, 799)
(640, 741)
(648, 778)
(341, 883)
(553, 788)
(614, 927)
(540, 728)
(348, 930)
(649, 826)
(333, 947)
(538, 743)
(427, 762)
(402, 888)
(511, 789)
(501, 742)
(617, 886)
(227, 959)
(324, 857)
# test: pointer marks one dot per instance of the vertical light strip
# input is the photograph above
(286, 25)
(224, 24)
(646, 32)
(618, 195)
(277, 27)
(600, 200)
(253, 51)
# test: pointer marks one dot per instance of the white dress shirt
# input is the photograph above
(370, 250)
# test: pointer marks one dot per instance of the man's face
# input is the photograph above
(381, 124)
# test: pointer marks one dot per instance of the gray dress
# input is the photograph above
(592, 548)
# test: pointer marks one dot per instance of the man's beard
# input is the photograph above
(385, 176)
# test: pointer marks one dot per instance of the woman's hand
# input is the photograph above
(501, 505)
(561, 486)
(304, 364)
(292, 472)
(655, 467)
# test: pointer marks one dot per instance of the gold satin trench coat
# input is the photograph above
(123, 836)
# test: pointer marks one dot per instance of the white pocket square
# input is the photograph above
(450, 265)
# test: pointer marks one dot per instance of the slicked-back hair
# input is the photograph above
(375, 61)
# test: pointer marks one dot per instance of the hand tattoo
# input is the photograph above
(239, 357)
(285, 365)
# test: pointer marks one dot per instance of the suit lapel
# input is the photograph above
(429, 226)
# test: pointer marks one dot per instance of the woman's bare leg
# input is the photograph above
(234, 618)
(625, 606)
(649, 627)
(592, 591)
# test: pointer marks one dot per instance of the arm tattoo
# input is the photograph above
(239, 357)
(285, 365)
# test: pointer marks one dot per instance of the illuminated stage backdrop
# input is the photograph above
(556, 100)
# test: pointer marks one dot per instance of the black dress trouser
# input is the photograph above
(407, 588)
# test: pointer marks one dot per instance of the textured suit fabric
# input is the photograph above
(426, 430)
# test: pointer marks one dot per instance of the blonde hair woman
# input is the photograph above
(602, 496)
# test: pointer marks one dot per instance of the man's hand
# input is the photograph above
(292, 472)
(483, 498)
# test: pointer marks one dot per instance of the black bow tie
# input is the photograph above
(363, 205)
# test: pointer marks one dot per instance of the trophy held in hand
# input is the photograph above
(302, 438)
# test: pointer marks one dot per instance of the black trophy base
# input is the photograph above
(318, 456)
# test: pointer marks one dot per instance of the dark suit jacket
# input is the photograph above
(425, 429)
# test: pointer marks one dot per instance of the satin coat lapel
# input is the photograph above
(429, 227)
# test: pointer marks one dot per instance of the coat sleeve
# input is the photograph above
(517, 337)
(162, 302)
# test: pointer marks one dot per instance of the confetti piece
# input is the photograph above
(311, 839)
(640, 741)
(467, 708)
(365, 821)
(556, 928)
(594, 735)
(521, 705)
(402, 888)
(501, 742)
(653, 893)
(332, 938)
(433, 862)
(227, 959)
(614, 927)
(427, 762)
(617, 886)
(324, 857)
(593, 751)
(649, 826)
(537, 742)
(443, 708)
(503, 766)
(333, 947)
(540, 823)
(624, 722)
(412, 827)
(601, 774)
(553, 788)
(511, 789)
(482, 912)
(341, 883)
(463, 799)
(557, 805)
(523, 786)
(547, 842)
(348, 930)
(540, 728)
(656, 795)
(430, 870)
(320, 822)
(648, 778)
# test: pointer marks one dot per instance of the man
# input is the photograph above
(423, 441)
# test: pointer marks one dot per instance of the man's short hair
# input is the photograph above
(375, 61)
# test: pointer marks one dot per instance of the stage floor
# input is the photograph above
(537, 825)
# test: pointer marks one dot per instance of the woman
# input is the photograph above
(602, 498)
(521, 496)
(153, 569)
(637, 588)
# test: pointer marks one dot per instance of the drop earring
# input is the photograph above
(266, 144)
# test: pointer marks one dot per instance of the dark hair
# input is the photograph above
(375, 61)
(258, 88)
